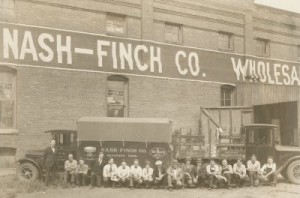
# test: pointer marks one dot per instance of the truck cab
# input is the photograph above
(261, 140)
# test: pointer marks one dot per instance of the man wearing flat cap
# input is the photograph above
(190, 173)
(159, 175)
(175, 176)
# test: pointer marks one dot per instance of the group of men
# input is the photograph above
(177, 175)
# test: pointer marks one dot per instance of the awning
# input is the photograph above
(124, 129)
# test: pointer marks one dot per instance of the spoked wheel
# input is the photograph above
(293, 172)
(27, 172)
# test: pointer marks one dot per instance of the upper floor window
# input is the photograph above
(173, 33)
(115, 24)
(7, 9)
(298, 51)
(117, 96)
(225, 41)
(262, 47)
(227, 95)
(7, 98)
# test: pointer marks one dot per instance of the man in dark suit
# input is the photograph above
(97, 171)
(159, 175)
(50, 162)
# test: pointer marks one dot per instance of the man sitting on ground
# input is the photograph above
(190, 173)
(81, 173)
(136, 174)
(159, 175)
(148, 175)
(268, 172)
(253, 167)
(123, 174)
(239, 173)
(226, 172)
(110, 173)
(175, 176)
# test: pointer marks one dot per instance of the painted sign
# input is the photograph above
(48, 47)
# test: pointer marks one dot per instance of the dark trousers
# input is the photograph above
(69, 174)
(81, 179)
(201, 180)
(108, 182)
(240, 181)
(228, 177)
(272, 178)
(160, 183)
(50, 174)
(253, 175)
(123, 181)
(135, 181)
(212, 180)
(96, 179)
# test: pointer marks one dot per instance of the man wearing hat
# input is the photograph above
(159, 175)
(175, 176)
(190, 173)
(201, 173)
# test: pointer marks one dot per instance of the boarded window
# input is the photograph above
(262, 47)
(225, 41)
(115, 24)
(173, 33)
(117, 96)
(7, 100)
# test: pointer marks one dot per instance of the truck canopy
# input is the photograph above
(124, 129)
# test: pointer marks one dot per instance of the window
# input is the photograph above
(7, 9)
(117, 96)
(116, 24)
(298, 51)
(225, 41)
(227, 95)
(7, 98)
(173, 33)
(262, 47)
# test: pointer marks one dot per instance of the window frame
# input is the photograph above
(180, 33)
(267, 45)
(13, 71)
(230, 41)
(223, 100)
(116, 15)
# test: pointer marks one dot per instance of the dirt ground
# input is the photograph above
(283, 190)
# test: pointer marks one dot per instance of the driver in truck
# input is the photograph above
(268, 172)
(253, 167)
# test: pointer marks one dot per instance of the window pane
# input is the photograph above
(6, 114)
(172, 33)
(298, 50)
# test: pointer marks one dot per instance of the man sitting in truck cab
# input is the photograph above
(81, 173)
(201, 173)
(213, 171)
(190, 173)
(226, 172)
(97, 171)
(159, 175)
(136, 174)
(268, 172)
(70, 169)
(239, 173)
(148, 175)
(123, 174)
(253, 167)
(175, 176)
(110, 172)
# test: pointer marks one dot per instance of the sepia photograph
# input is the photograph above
(150, 98)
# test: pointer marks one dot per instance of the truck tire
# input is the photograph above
(293, 172)
(27, 172)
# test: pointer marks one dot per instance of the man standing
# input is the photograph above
(110, 172)
(240, 173)
(190, 173)
(268, 172)
(148, 175)
(97, 171)
(123, 174)
(81, 173)
(227, 172)
(253, 167)
(159, 174)
(50, 162)
(136, 174)
(70, 169)
(175, 176)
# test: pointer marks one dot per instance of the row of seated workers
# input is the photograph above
(176, 176)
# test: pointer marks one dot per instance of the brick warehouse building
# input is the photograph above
(61, 60)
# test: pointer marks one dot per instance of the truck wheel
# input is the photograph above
(27, 172)
(293, 172)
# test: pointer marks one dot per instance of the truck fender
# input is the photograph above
(23, 160)
(287, 163)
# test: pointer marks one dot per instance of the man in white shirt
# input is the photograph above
(70, 169)
(110, 172)
(213, 172)
(148, 175)
(123, 174)
(136, 174)
(253, 167)
(240, 173)
(268, 172)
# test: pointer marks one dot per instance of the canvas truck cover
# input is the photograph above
(125, 139)
(124, 129)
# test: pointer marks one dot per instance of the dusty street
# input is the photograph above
(282, 190)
